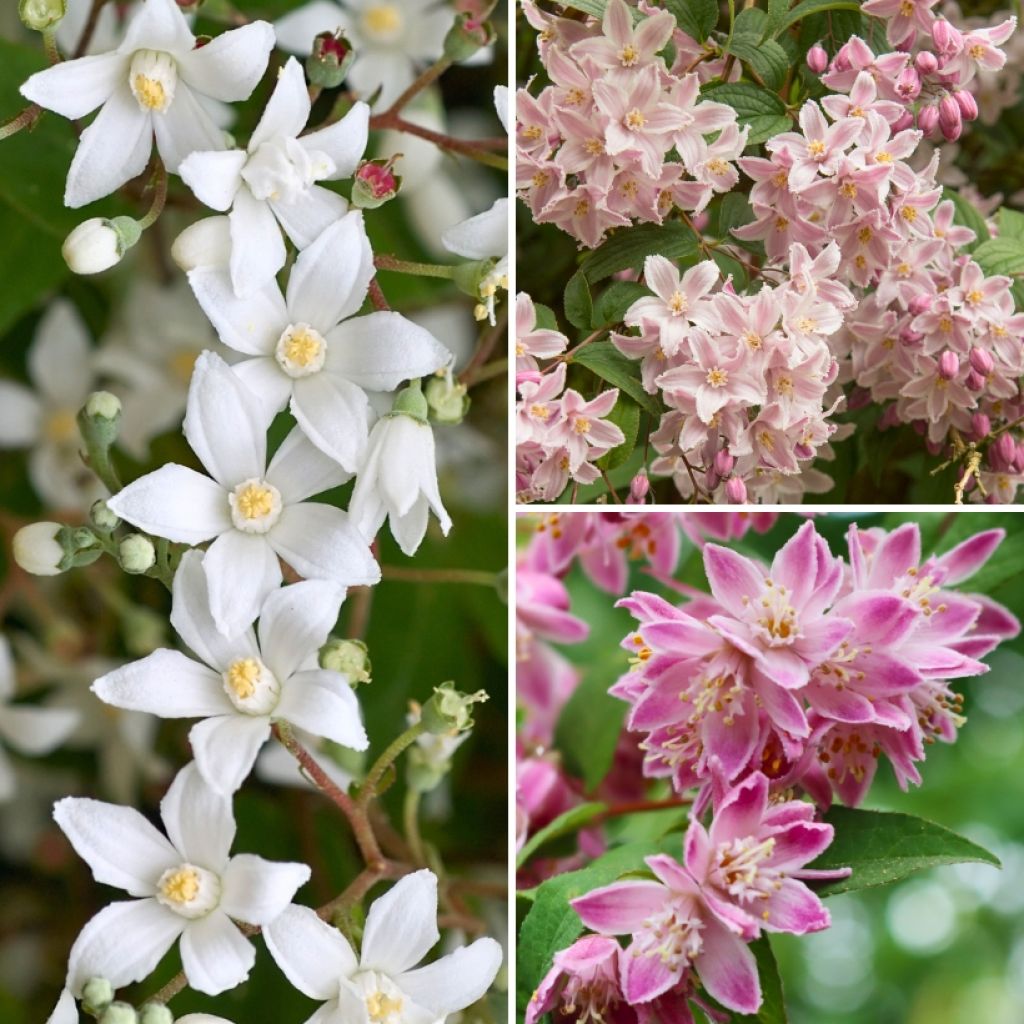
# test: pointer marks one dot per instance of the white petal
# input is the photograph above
(229, 67)
(410, 529)
(225, 424)
(344, 142)
(175, 502)
(297, 29)
(299, 469)
(455, 981)
(7, 672)
(257, 891)
(198, 819)
(20, 415)
(60, 356)
(380, 350)
(37, 730)
(401, 927)
(312, 213)
(323, 703)
(75, 88)
(484, 236)
(122, 848)
(216, 956)
(66, 1011)
(214, 176)
(257, 249)
(295, 622)
(313, 955)
(158, 25)
(333, 413)
(320, 543)
(266, 380)
(206, 243)
(114, 149)
(503, 104)
(185, 127)
(166, 684)
(123, 943)
(241, 570)
(225, 748)
(287, 110)
(329, 280)
(193, 621)
(251, 325)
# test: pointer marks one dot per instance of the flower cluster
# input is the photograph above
(618, 137)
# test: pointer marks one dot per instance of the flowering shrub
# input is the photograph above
(276, 416)
(782, 258)
(716, 794)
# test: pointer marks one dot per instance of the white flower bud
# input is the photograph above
(136, 554)
(97, 995)
(104, 405)
(37, 550)
(119, 1013)
(155, 1013)
(207, 243)
(94, 246)
(102, 518)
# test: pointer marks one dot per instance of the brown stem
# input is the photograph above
(485, 346)
(428, 77)
(360, 600)
(90, 28)
(481, 150)
(377, 297)
(25, 119)
(399, 573)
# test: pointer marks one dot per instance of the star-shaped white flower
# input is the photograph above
(309, 351)
(273, 181)
(152, 85)
(241, 686)
(253, 512)
(186, 886)
(383, 985)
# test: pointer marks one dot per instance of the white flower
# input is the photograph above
(207, 243)
(392, 39)
(382, 986)
(274, 181)
(187, 886)
(256, 512)
(239, 687)
(308, 350)
(61, 371)
(484, 237)
(398, 481)
(26, 728)
(152, 84)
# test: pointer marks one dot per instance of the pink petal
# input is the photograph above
(727, 969)
(881, 617)
(820, 638)
(785, 667)
(645, 976)
(684, 635)
(733, 745)
(900, 551)
(967, 558)
(697, 850)
(739, 814)
(782, 708)
(799, 844)
(621, 908)
(732, 577)
(795, 566)
(795, 909)
(843, 705)
(672, 874)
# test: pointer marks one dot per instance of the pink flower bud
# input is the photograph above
(817, 58)
(904, 121)
(982, 361)
(860, 398)
(967, 103)
(736, 491)
(949, 365)
(908, 85)
(981, 425)
(974, 381)
(701, 220)
(1005, 449)
(1018, 459)
(919, 427)
(889, 418)
(724, 462)
(920, 304)
(375, 183)
(950, 119)
(711, 479)
(928, 119)
(639, 488)
(910, 337)
(934, 447)
(926, 63)
(943, 35)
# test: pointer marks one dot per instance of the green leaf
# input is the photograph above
(765, 57)
(882, 847)
(806, 8)
(579, 306)
(626, 250)
(966, 214)
(571, 821)
(546, 319)
(773, 1005)
(767, 126)
(747, 99)
(626, 416)
(1011, 223)
(595, 8)
(615, 300)
(697, 18)
(734, 211)
(1001, 256)
(611, 365)
(777, 11)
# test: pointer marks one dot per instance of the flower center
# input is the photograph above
(816, 147)
(382, 23)
(383, 998)
(738, 869)
(635, 119)
(255, 506)
(153, 77)
(628, 56)
(777, 621)
(581, 425)
(251, 686)
(282, 170)
(300, 350)
(678, 303)
(189, 891)
(61, 426)
(673, 936)
(717, 377)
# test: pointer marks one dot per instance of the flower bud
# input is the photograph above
(910, 337)
(860, 398)
(981, 425)
(920, 304)
(639, 488)
(41, 15)
(102, 518)
(99, 419)
(926, 63)
(928, 119)
(97, 245)
(982, 361)
(890, 418)
(155, 1013)
(950, 118)
(104, 405)
(207, 243)
(467, 36)
(375, 183)
(330, 60)
(37, 550)
(136, 554)
(449, 710)
(943, 35)
(711, 479)
(736, 491)
(119, 1013)
(904, 121)
(949, 365)
(1005, 449)
(190, 6)
(724, 462)
(349, 657)
(817, 58)
(448, 399)
(933, 447)
(410, 402)
(97, 995)
(908, 85)
(1018, 459)
(967, 103)
(974, 381)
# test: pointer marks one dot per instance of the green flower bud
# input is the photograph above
(136, 554)
(349, 657)
(99, 420)
(448, 399)
(423, 773)
(410, 402)
(449, 710)
(41, 15)
(375, 183)
(102, 518)
(119, 1013)
(467, 36)
(330, 60)
(469, 277)
(104, 405)
(155, 1013)
(97, 995)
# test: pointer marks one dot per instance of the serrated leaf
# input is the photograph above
(627, 249)
(767, 126)
(777, 11)
(748, 100)
(546, 319)
(764, 57)
(967, 215)
(615, 300)
(1001, 256)
(750, 19)
(773, 1004)
(626, 416)
(611, 365)
(806, 8)
(697, 18)
(571, 821)
(883, 847)
(1011, 223)
(579, 306)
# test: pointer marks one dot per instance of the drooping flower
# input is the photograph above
(484, 237)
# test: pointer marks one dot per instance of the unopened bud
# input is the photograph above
(711, 479)
(967, 103)
(99, 243)
(99, 419)
(102, 518)
(37, 550)
(736, 491)
(449, 710)
(981, 425)
(466, 37)
(920, 304)
(926, 63)
(410, 402)
(349, 657)
(104, 405)
(974, 381)
(119, 1013)
(950, 119)
(1018, 459)
(817, 58)
(97, 995)
(1005, 448)
(41, 15)
(639, 488)
(448, 399)
(155, 1013)
(928, 119)
(949, 365)
(207, 243)
(904, 121)
(330, 60)
(859, 398)
(982, 361)
(908, 85)
(944, 36)
(136, 554)
(724, 462)
(375, 183)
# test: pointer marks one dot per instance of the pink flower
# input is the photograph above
(533, 343)
(622, 45)
(581, 428)
(676, 301)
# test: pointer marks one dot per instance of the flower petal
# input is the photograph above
(295, 623)
(646, 976)
(299, 469)
(74, 88)
(265, 379)
(297, 29)
(35, 730)
(732, 577)
(727, 968)
(216, 956)
(323, 703)
(482, 237)
(309, 215)
(251, 325)
(167, 684)
(795, 909)
(620, 908)
(231, 64)
(257, 248)
(185, 127)
(241, 570)
(226, 748)
(60, 356)
(401, 927)
(312, 954)
(344, 141)
(20, 415)
(333, 413)
(257, 891)
(455, 981)
(214, 176)
(157, 26)
(287, 110)
(199, 820)
(319, 542)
